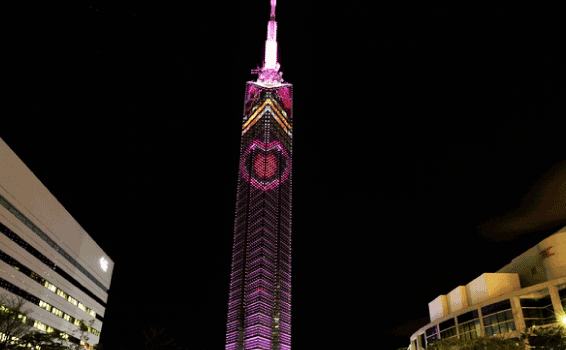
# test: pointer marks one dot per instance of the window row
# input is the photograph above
(470, 335)
(49, 241)
(34, 276)
(17, 239)
(66, 317)
(469, 326)
(35, 300)
(497, 318)
(538, 311)
(500, 328)
(42, 326)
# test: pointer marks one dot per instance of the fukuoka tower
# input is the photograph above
(259, 306)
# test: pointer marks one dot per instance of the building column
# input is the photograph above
(482, 326)
(457, 330)
(556, 304)
(517, 314)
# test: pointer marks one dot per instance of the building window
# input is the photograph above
(431, 334)
(447, 329)
(44, 305)
(499, 323)
(39, 325)
(538, 311)
(562, 295)
(61, 293)
(50, 286)
(496, 307)
(57, 312)
(73, 301)
(470, 330)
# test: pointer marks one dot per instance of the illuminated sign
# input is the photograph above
(104, 264)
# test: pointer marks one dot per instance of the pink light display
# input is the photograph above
(259, 306)
(269, 164)
(259, 303)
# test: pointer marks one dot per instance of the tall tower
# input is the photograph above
(259, 306)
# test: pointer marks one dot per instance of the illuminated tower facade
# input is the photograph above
(259, 306)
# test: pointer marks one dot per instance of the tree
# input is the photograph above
(82, 333)
(17, 328)
(159, 340)
(545, 338)
(47, 341)
(481, 343)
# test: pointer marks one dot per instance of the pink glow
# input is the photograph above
(263, 182)
(271, 46)
(265, 166)
(273, 4)
(271, 31)
(285, 96)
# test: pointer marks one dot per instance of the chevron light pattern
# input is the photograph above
(259, 306)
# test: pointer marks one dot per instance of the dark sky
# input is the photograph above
(427, 150)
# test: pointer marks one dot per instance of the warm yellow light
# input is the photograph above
(564, 319)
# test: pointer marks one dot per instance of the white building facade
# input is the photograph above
(528, 292)
(47, 258)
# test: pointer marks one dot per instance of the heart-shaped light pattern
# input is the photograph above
(265, 161)
(265, 166)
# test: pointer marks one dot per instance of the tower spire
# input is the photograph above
(273, 4)
(269, 74)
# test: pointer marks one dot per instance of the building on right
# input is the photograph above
(530, 291)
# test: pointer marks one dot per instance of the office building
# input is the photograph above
(47, 258)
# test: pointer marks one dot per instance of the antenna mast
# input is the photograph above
(269, 74)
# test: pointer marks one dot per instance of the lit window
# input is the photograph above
(61, 293)
(73, 301)
(77, 322)
(82, 307)
(57, 312)
(64, 335)
(50, 329)
(39, 325)
(86, 345)
(67, 317)
(50, 287)
(44, 305)
(92, 313)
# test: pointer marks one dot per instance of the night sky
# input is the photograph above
(428, 149)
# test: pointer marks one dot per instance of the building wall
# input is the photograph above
(523, 265)
(26, 193)
(458, 299)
